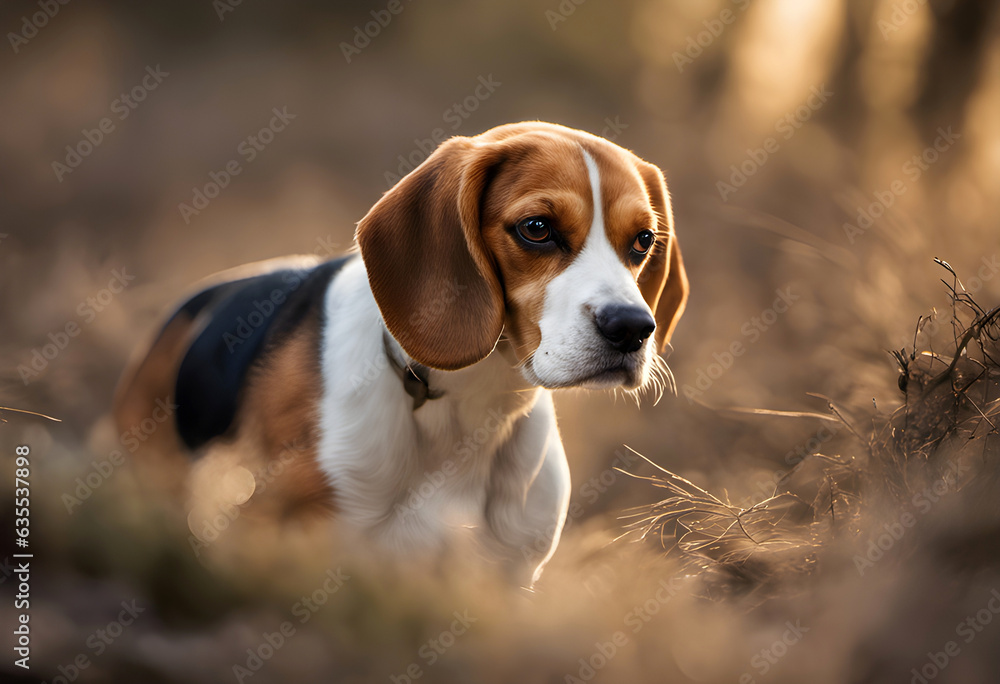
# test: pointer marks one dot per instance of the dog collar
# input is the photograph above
(413, 375)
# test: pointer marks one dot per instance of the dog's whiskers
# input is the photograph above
(527, 359)
(665, 377)
(660, 379)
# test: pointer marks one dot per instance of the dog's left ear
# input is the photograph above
(428, 266)
(663, 281)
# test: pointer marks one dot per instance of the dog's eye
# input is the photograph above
(534, 229)
(643, 241)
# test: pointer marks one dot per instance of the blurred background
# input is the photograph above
(820, 155)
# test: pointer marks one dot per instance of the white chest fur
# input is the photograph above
(414, 480)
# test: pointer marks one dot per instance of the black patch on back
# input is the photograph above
(243, 323)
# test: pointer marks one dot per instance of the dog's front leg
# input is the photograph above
(528, 494)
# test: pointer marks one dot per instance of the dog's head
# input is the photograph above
(558, 240)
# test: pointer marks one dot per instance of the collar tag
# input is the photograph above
(414, 377)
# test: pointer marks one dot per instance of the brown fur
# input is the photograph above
(279, 420)
(160, 456)
(447, 224)
(427, 265)
(275, 432)
(663, 280)
(449, 276)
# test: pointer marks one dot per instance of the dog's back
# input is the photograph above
(232, 367)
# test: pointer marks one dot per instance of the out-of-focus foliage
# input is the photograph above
(819, 154)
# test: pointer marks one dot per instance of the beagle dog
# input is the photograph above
(405, 386)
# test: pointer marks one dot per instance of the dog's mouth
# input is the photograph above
(608, 378)
(625, 373)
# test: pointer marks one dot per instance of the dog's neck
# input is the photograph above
(497, 380)
(414, 376)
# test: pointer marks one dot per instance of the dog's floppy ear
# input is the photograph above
(432, 276)
(663, 280)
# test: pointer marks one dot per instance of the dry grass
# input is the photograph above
(697, 585)
(829, 508)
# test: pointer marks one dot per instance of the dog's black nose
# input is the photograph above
(625, 327)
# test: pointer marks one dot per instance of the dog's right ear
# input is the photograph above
(432, 276)
(663, 281)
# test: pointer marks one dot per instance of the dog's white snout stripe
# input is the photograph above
(595, 192)
(614, 280)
